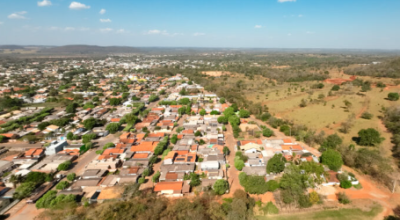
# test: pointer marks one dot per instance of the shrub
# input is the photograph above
(113, 127)
(62, 185)
(314, 197)
(239, 164)
(267, 132)
(345, 184)
(71, 176)
(64, 166)
(342, 197)
(254, 184)
(270, 208)
(221, 186)
(156, 177)
(272, 185)
(393, 96)
(335, 88)
(367, 115)
(141, 180)
(304, 201)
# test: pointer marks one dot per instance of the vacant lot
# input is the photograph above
(353, 214)
(216, 73)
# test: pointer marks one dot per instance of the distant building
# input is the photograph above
(55, 147)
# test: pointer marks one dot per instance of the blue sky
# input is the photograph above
(363, 24)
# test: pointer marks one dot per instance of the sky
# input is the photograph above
(340, 24)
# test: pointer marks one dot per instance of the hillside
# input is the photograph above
(385, 69)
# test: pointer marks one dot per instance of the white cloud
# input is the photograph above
(102, 11)
(1, 22)
(289, 34)
(44, 3)
(69, 29)
(258, 26)
(300, 15)
(84, 29)
(154, 31)
(17, 15)
(121, 31)
(310, 32)
(198, 34)
(78, 6)
(105, 30)
(105, 20)
(282, 1)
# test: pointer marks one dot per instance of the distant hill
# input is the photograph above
(11, 47)
(87, 49)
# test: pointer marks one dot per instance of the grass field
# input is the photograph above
(341, 214)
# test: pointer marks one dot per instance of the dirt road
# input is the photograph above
(233, 174)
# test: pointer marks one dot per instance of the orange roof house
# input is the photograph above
(169, 187)
(145, 146)
(160, 134)
(115, 119)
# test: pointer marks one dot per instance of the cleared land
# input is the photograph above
(340, 214)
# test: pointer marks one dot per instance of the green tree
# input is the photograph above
(222, 100)
(335, 88)
(369, 137)
(332, 142)
(220, 186)
(276, 164)
(239, 164)
(71, 108)
(62, 185)
(267, 132)
(393, 96)
(156, 177)
(113, 127)
(222, 120)
(244, 113)
(174, 138)
(70, 135)
(332, 159)
(203, 112)
(229, 111)
(64, 166)
(226, 151)
(89, 123)
(71, 176)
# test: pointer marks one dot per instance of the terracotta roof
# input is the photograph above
(160, 134)
(287, 141)
(296, 147)
(30, 152)
(137, 156)
(250, 141)
(38, 152)
(190, 131)
(115, 119)
(145, 146)
(333, 176)
(171, 176)
(161, 186)
(170, 155)
(285, 147)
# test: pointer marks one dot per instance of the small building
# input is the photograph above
(55, 147)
